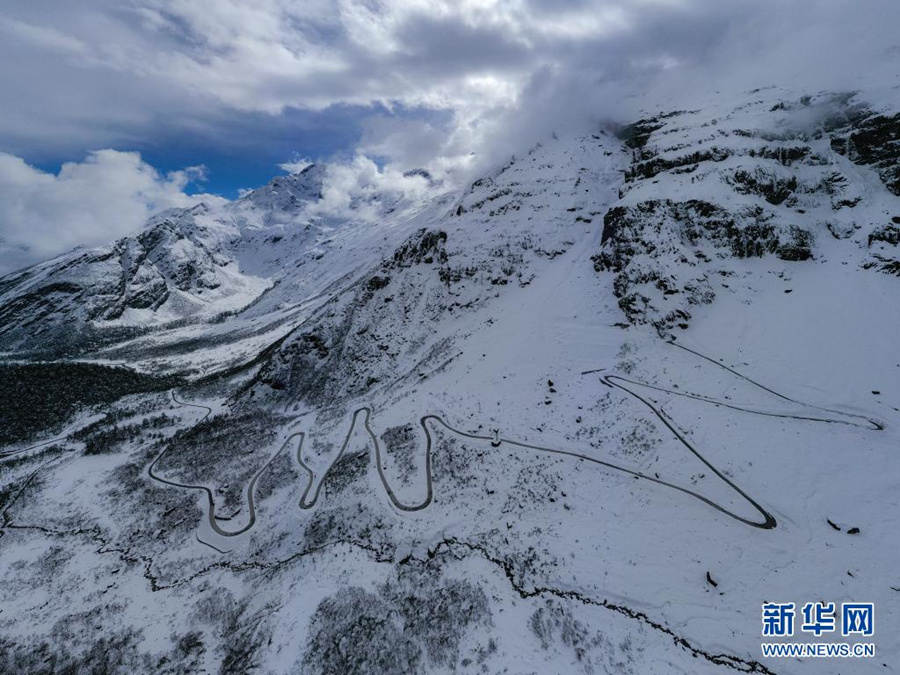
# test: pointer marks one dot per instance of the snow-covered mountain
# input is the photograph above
(186, 266)
(586, 414)
(758, 180)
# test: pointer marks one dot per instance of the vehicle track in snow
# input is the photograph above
(874, 424)
(12, 453)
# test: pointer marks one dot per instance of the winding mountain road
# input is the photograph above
(12, 453)
(313, 487)
(211, 510)
(873, 424)
(768, 521)
(614, 381)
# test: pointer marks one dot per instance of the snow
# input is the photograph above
(504, 323)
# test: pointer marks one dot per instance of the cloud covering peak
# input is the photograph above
(450, 86)
(92, 202)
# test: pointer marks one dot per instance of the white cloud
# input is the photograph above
(360, 189)
(474, 58)
(92, 202)
(296, 165)
(484, 77)
(45, 37)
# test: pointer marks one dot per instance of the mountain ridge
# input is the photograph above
(488, 429)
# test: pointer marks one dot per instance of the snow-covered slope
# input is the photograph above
(585, 415)
(412, 309)
(178, 267)
(760, 179)
(186, 266)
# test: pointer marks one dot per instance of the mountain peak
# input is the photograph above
(284, 192)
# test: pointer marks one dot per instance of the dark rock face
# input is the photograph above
(687, 163)
(421, 173)
(637, 134)
(356, 342)
(353, 342)
(798, 246)
(872, 140)
(639, 242)
(38, 303)
(149, 269)
(60, 300)
(883, 243)
(705, 188)
(884, 264)
(377, 282)
(771, 187)
(890, 234)
(426, 246)
(280, 198)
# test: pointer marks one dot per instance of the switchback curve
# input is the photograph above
(768, 521)
(613, 381)
(211, 510)
(875, 424)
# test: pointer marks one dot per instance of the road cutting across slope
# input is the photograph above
(627, 385)
(767, 522)
(211, 510)
(614, 381)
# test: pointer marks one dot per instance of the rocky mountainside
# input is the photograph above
(708, 187)
(584, 415)
(186, 266)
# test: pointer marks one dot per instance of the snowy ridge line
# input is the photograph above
(211, 511)
(450, 546)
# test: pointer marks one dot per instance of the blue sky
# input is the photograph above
(256, 145)
(109, 105)
(246, 149)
